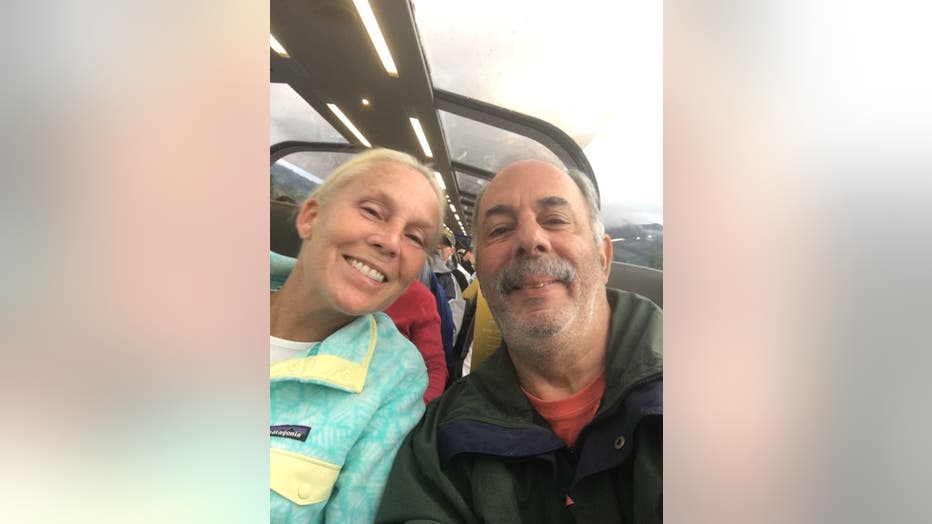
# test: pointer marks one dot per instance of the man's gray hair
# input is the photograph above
(585, 185)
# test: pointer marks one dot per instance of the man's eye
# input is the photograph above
(498, 231)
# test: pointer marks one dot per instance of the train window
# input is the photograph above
(638, 244)
(594, 71)
(578, 87)
(292, 118)
(557, 64)
(470, 184)
(489, 147)
(294, 176)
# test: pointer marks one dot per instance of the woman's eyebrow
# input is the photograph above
(394, 205)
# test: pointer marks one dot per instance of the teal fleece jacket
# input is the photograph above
(338, 415)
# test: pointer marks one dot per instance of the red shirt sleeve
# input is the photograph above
(415, 314)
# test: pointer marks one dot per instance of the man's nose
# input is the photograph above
(532, 239)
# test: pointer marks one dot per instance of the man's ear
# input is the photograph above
(605, 255)
(307, 217)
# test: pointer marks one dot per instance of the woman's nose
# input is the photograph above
(386, 240)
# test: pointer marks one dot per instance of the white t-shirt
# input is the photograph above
(281, 349)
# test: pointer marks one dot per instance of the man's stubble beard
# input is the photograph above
(544, 336)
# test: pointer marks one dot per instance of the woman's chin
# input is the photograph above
(358, 304)
(358, 309)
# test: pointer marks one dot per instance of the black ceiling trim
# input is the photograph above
(547, 134)
(282, 149)
(473, 170)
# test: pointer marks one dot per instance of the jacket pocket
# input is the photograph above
(300, 479)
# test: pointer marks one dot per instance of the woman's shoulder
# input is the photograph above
(391, 343)
(396, 362)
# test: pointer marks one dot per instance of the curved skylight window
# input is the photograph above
(292, 118)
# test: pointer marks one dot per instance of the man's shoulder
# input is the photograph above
(633, 311)
(491, 393)
(635, 341)
(623, 301)
(464, 398)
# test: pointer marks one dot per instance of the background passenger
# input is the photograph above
(486, 337)
(468, 261)
(447, 326)
(345, 385)
(439, 262)
(415, 315)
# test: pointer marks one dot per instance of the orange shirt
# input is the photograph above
(569, 415)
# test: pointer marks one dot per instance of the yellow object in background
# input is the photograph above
(486, 336)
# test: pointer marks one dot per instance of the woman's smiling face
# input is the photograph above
(367, 241)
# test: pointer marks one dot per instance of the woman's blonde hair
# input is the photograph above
(365, 163)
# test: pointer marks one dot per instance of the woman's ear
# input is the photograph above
(307, 217)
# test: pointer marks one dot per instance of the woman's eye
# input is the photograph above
(416, 239)
(371, 211)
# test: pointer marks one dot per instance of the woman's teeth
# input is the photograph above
(366, 270)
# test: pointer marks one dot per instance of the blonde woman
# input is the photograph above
(345, 385)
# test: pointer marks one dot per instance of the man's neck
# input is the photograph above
(567, 362)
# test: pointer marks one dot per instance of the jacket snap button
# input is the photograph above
(304, 491)
(620, 442)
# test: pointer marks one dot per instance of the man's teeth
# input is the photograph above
(537, 285)
(366, 270)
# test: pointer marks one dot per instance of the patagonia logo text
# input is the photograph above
(292, 432)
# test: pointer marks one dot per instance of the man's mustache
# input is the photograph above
(514, 274)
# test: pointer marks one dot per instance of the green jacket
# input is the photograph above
(483, 454)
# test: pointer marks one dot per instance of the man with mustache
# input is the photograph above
(564, 422)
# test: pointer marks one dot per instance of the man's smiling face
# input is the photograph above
(540, 267)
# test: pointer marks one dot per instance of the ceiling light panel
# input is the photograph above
(416, 124)
(280, 49)
(440, 181)
(346, 121)
(375, 36)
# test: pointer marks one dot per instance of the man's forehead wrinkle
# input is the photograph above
(513, 182)
(552, 201)
(508, 209)
(498, 209)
